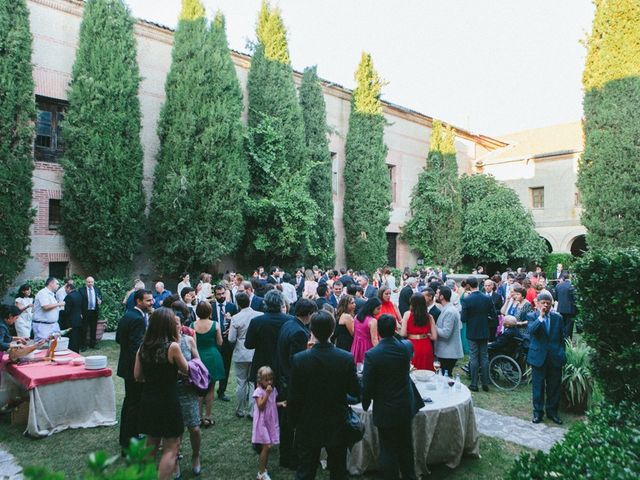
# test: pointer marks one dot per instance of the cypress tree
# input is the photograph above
(320, 188)
(280, 214)
(497, 228)
(201, 176)
(103, 200)
(17, 112)
(367, 197)
(435, 227)
(608, 176)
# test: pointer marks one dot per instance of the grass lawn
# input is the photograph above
(226, 448)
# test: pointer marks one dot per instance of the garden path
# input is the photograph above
(515, 430)
(9, 468)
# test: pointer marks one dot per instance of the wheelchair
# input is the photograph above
(508, 367)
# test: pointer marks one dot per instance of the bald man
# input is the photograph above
(91, 300)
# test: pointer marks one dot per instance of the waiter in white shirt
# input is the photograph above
(46, 311)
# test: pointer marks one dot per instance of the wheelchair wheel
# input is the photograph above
(504, 372)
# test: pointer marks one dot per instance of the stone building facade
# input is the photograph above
(55, 27)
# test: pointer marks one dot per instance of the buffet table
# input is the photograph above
(61, 396)
(443, 431)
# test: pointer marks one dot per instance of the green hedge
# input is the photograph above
(609, 304)
(113, 291)
(605, 446)
(553, 259)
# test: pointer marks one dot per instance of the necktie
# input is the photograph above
(547, 324)
(92, 301)
(146, 320)
(221, 316)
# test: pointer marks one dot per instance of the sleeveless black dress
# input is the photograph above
(160, 413)
(343, 338)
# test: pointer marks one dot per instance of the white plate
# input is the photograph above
(63, 361)
(89, 367)
(423, 375)
(62, 353)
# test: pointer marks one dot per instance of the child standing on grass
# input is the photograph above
(266, 430)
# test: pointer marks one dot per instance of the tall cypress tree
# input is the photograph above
(201, 176)
(608, 176)
(280, 214)
(315, 127)
(17, 112)
(367, 197)
(103, 200)
(435, 227)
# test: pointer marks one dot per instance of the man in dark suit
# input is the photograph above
(546, 357)
(557, 275)
(222, 312)
(405, 295)
(323, 295)
(477, 312)
(274, 276)
(129, 335)
(345, 278)
(566, 297)
(91, 300)
(505, 289)
(334, 298)
(496, 298)
(369, 291)
(73, 317)
(433, 310)
(293, 338)
(256, 302)
(263, 332)
(321, 379)
(385, 380)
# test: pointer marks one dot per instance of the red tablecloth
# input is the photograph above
(31, 375)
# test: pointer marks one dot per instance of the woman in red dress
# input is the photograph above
(388, 307)
(420, 328)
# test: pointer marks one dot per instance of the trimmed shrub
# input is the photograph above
(17, 112)
(605, 446)
(553, 259)
(609, 304)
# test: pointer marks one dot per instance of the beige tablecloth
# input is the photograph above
(72, 404)
(443, 431)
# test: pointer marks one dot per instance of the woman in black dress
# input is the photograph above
(157, 364)
(344, 324)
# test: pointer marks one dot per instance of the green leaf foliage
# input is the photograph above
(17, 113)
(320, 182)
(280, 216)
(605, 446)
(496, 227)
(609, 304)
(608, 177)
(435, 227)
(367, 196)
(201, 176)
(103, 201)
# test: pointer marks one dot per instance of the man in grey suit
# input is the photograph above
(477, 310)
(449, 344)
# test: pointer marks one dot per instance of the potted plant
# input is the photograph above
(577, 382)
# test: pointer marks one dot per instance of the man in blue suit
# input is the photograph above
(222, 312)
(546, 357)
(386, 381)
(477, 312)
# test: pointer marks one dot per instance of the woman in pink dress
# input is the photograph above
(365, 332)
(310, 285)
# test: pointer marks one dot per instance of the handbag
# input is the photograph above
(354, 428)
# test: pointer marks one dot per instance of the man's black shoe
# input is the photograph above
(473, 389)
(556, 419)
(239, 415)
(224, 398)
(537, 419)
(485, 388)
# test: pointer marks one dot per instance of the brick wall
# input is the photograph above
(41, 199)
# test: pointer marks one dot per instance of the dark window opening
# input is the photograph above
(59, 270)
(55, 219)
(392, 242)
(49, 144)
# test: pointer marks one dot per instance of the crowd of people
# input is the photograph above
(305, 346)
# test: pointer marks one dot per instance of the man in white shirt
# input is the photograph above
(242, 356)
(46, 311)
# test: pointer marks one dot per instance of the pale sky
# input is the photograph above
(490, 66)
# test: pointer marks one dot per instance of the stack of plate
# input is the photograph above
(95, 362)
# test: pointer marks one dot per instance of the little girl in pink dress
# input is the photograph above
(266, 429)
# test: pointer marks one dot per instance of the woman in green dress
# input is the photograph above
(208, 339)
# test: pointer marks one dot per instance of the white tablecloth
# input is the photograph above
(71, 404)
(443, 431)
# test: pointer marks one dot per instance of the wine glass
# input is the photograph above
(436, 365)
